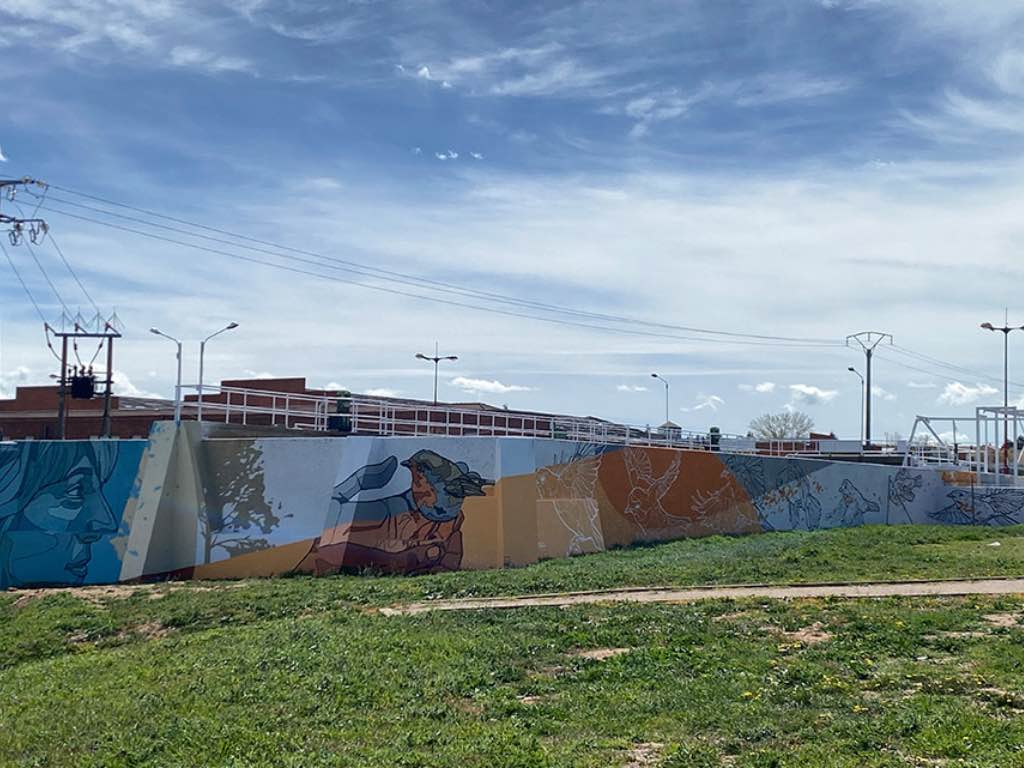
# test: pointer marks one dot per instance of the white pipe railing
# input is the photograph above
(365, 415)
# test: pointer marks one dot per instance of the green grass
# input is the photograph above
(301, 672)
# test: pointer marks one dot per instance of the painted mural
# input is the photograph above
(183, 506)
(416, 528)
(62, 510)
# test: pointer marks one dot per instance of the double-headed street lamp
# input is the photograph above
(202, 351)
(435, 360)
(177, 385)
(1005, 329)
(854, 371)
(665, 382)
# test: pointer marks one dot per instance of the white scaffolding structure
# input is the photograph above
(996, 448)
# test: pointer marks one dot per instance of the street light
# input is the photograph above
(202, 350)
(854, 371)
(1005, 329)
(177, 386)
(435, 360)
(663, 381)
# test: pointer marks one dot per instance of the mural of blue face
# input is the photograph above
(53, 510)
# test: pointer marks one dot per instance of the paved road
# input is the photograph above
(692, 594)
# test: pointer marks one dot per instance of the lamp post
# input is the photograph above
(435, 360)
(177, 385)
(665, 382)
(202, 351)
(1005, 329)
(854, 371)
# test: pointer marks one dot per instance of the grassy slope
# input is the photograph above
(298, 672)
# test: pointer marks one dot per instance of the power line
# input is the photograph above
(450, 302)
(60, 253)
(950, 366)
(378, 273)
(24, 286)
(46, 277)
(932, 372)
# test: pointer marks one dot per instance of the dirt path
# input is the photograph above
(692, 594)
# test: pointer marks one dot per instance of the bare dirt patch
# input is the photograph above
(532, 699)
(811, 635)
(601, 654)
(644, 755)
(1002, 620)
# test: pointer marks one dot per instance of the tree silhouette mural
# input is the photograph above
(235, 526)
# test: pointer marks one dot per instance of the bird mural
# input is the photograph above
(645, 503)
(1003, 506)
(571, 487)
(853, 506)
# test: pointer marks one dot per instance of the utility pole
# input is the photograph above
(81, 379)
(868, 340)
(435, 360)
(107, 334)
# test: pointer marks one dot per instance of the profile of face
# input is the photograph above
(49, 538)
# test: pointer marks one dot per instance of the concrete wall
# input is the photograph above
(246, 506)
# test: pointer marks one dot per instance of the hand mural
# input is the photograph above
(414, 531)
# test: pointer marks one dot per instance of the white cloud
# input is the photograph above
(958, 393)
(334, 385)
(476, 155)
(705, 402)
(882, 393)
(765, 387)
(382, 392)
(631, 388)
(11, 380)
(922, 384)
(807, 394)
(124, 387)
(486, 386)
(451, 154)
(424, 73)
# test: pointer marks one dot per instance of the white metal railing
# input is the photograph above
(360, 415)
(363, 415)
(994, 452)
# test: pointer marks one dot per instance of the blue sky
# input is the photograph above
(800, 167)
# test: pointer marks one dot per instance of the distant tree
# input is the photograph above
(782, 425)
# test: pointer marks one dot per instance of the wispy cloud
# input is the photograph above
(704, 403)
(922, 384)
(486, 386)
(198, 58)
(774, 88)
(631, 388)
(765, 387)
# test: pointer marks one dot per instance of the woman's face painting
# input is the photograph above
(51, 539)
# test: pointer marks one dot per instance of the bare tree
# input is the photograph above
(782, 425)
